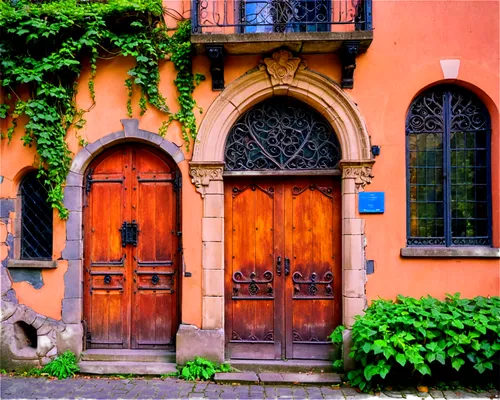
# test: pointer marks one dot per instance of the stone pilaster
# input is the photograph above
(355, 176)
(207, 178)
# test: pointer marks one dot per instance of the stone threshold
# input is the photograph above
(277, 378)
(126, 367)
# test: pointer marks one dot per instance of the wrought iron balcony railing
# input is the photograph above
(280, 16)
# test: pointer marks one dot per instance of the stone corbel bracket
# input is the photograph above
(216, 56)
(204, 173)
(348, 54)
(360, 171)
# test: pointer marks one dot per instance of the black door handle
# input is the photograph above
(287, 266)
(278, 265)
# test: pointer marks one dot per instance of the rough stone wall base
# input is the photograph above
(206, 343)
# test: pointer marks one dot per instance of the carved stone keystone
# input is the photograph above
(283, 66)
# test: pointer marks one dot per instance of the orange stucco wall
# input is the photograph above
(410, 38)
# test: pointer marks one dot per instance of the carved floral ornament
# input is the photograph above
(203, 174)
(360, 171)
(282, 67)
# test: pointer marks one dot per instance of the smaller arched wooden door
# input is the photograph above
(131, 242)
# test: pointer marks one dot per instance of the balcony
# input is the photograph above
(262, 26)
(237, 27)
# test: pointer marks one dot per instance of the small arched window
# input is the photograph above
(448, 169)
(36, 220)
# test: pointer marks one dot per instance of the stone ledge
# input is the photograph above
(450, 252)
(260, 43)
(35, 264)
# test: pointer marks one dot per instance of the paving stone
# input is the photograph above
(270, 378)
(237, 377)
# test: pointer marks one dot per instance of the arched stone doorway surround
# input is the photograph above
(72, 304)
(286, 75)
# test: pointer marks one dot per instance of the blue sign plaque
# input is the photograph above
(371, 202)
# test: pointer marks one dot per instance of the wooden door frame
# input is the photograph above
(72, 304)
(207, 172)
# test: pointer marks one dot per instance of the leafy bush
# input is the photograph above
(63, 366)
(201, 369)
(421, 340)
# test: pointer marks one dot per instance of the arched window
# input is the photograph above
(448, 169)
(282, 133)
(36, 220)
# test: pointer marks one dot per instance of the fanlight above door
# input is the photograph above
(281, 133)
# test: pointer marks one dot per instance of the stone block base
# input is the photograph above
(192, 342)
(70, 339)
(349, 363)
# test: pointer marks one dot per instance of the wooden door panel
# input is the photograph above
(312, 235)
(130, 290)
(154, 308)
(104, 225)
(250, 275)
(105, 293)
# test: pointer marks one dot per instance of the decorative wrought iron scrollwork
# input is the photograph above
(313, 289)
(253, 187)
(268, 337)
(313, 337)
(278, 15)
(281, 134)
(253, 285)
(327, 191)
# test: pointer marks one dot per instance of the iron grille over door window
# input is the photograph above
(448, 157)
(282, 133)
(36, 220)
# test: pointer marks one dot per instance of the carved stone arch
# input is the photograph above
(72, 307)
(281, 75)
(312, 88)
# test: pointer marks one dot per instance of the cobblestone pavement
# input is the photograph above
(41, 388)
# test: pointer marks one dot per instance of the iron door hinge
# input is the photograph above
(177, 182)
(88, 181)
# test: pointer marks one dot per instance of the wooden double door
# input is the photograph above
(282, 267)
(131, 240)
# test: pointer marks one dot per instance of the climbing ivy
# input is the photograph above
(45, 45)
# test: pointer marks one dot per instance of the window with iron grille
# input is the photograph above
(448, 169)
(285, 15)
(36, 220)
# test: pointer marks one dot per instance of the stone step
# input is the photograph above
(276, 378)
(273, 378)
(281, 366)
(126, 367)
(161, 356)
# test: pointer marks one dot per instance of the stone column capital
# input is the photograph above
(359, 170)
(202, 173)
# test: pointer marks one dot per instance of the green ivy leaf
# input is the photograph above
(457, 363)
(401, 359)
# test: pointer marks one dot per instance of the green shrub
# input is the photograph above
(201, 369)
(63, 366)
(427, 340)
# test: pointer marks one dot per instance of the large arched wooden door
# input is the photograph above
(131, 238)
(282, 234)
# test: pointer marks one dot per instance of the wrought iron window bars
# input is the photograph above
(448, 169)
(36, 220)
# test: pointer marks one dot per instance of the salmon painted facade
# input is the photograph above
(271, 230)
